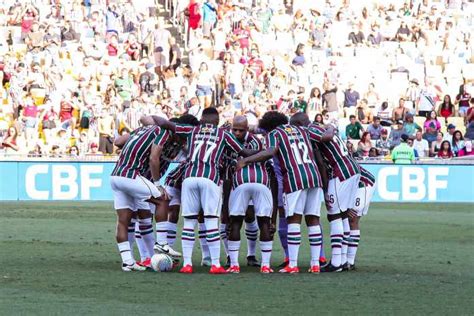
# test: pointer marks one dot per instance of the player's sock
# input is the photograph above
(203, 241)
(131, 233)
(294, 241)
(187, 240)
(146, 232)
(336, 241)
(161, 232)
(315, 241)
(251, 232)
(345, 239)
(283, 234)
(234, 247)
(353, 244)
(171, 236)
(223, 233)
(140, 243)
(322, 253)
(125, 252)
(266, 249)
(213, 240)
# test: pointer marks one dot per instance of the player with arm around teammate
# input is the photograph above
(364, 195)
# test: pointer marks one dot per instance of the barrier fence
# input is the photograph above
(89, 181)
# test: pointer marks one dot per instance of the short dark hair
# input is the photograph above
(210, 111)
(188, 119)
(271, 120)
(352, 117)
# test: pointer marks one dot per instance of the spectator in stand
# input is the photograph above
(315, 102)
(375, 129)
(354, 129)
(421, 145)
(410, 127)
(73, 152)
(457, 143)
(383, 144)
(410, 143)
(451, 128)
(106, 125)
(462, 100)
(436, 145)
(352, 152)
(364, 115)
(469, 131)
(446, 109)
(385, 114)
(399, 112)
(9, 142)
(403, 153)
(351, 97)
(364, 145)
(319, 120)
(329, 100)
(427, 100)
(94, 150)
(396, 134)
(432, 119)
(445, 152)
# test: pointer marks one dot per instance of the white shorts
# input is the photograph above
(303, 202)
(244, 194)
(132, 193)
(201, 193)
(174, 194)
(341, 194)
(362, 200)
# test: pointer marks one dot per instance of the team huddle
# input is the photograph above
(228, 176)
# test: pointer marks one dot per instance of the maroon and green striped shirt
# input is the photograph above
(171, 149)
(134, 158)
(336, 156)
(367, 179)
(174, 179)
(206, 144)
(255, 172)
(298, 167)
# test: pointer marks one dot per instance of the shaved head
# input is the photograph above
(240, 127)
(300, 119)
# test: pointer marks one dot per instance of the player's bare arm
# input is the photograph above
(259, 157)
(121, 140)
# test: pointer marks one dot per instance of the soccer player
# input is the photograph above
(343, 183)
(250, 183)
(200, 189)
(302, 182)
(363, 197)
(132, 191)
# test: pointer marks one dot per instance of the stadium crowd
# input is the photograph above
(76, 74)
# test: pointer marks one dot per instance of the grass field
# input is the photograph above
(59, 258)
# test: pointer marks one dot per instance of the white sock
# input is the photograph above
(234, 247)
(345, 239)
(203, 241)
(251, 232)
(140, 243)
(161, 232)
(131, 234)
(125, 252)
(294, 241)
(353, 244)
(315, 241)
(187, 240)
(171, 236)
(336, 241)
(146, 233)
(223, 233)
(213, 240)
(266, 249)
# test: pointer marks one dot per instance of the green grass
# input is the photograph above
(58, 258)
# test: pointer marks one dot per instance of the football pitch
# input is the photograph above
(58, 258)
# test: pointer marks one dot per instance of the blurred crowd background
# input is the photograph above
(76, 74)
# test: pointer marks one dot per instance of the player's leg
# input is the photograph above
(263, 207)
(205, 255)
(251, 232)
(294, 207)
(276, 187)
(173, 214)
(211, 201)
(191, 206)
(353, 241)
(335, 227)
(226, 188)
(132, 232)
(161, 218)
(312, 213)
(146, 239)
(345, 236)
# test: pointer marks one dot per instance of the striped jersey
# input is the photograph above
(367, 179)
(134, 158)
(255, 172)
(206, 144)
(171, 149)
(298, 167)
(336, 156)
(174, 179)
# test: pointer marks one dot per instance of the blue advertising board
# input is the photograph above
(90, 181)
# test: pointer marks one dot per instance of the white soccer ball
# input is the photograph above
(161, 262)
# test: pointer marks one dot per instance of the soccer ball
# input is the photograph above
(161, 262)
